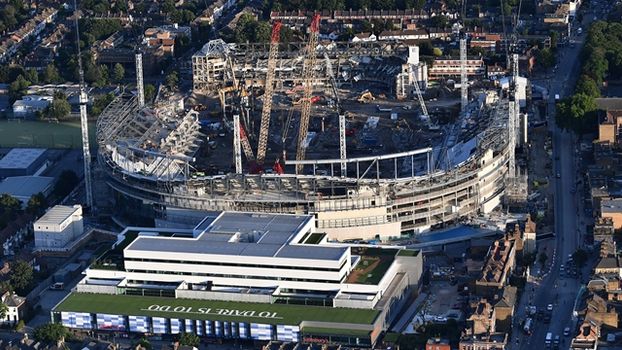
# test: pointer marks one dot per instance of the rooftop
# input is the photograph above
(211, 310)
(611, 205)
(243, 234)
(57, 214)
(21, 158)
(25, 186)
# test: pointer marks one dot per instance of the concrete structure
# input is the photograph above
(15, 308)
(364, 205)
(24, 187)
(603, 229)
(22, 162)
(58, 227)
(246, 260)
(29, 105)
(443, 68)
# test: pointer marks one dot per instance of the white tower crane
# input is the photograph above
(86, 153)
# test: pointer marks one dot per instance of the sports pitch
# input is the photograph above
(41, 134)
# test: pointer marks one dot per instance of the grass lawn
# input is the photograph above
(212, 310)
(43, 134)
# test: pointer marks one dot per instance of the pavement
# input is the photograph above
(553, 287)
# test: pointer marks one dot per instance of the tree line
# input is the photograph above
(601, 59)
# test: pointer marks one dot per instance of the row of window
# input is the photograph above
(227, 264)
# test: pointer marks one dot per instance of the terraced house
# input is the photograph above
(248, 276)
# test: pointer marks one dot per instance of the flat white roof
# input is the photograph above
(273, 232)
(57, 214)
(21, 158)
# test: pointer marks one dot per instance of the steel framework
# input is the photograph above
(307, 75)
(267, 97)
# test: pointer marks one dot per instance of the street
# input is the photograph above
(554, 287)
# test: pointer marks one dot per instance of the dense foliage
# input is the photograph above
(601, 60)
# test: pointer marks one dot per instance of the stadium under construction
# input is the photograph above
(365, 166)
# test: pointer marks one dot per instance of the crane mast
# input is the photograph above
(84, 126)
(267, 97)
(307, 77)
(342, 116)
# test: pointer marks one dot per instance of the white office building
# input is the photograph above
(249, 260)
(60, 226)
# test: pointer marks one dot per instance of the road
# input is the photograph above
(554, 287)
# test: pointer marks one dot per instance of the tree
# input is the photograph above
(545, 58)
(189, 339)
(171, 80)
(144, 343)
(51, 74)
(50, 333)
(66, 183)
(9, 203)
(36, 204)
(32, 76)
(542, 258)
(4, 310)
(437, 52)
(59, 109)
(587, 86)
(118, 73)
(150, 91)
(21, 276)
(580, 257)
(439, 21)
(18, 88)
(576, 113)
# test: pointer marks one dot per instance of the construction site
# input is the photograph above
(348, 132)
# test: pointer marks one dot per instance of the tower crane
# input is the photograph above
(267, 97)
(86, 153)
(424, 109)
(307, 77)
(340, 112)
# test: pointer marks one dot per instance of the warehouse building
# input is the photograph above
(22, 162)
(244, 276)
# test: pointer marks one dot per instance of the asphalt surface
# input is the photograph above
(551, 286)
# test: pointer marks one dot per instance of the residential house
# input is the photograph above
(589, 332)
(504, 309)
(500, 262)
(437, 344)
(600, 312)
(29, 105)
(482, 319)
(603, 229)
(15, 305)
(413, 34)
(612, 208)
(364, 37)
(493, 341)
